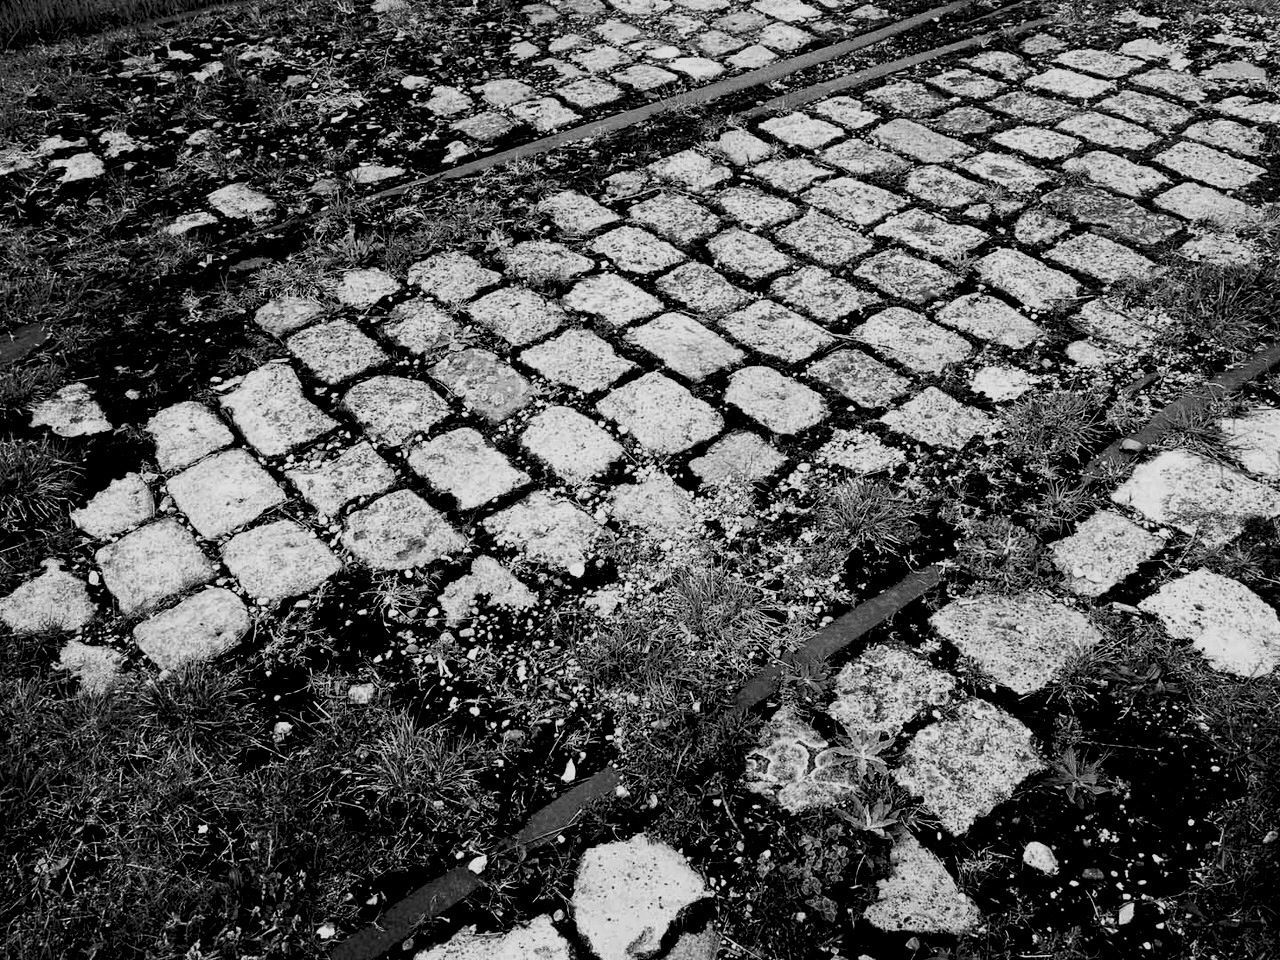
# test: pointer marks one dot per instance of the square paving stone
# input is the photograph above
(1103, 321)
(1193, 202)
(919, 142)
(1099, 62)
(739, 251)
(860, 159)
(702, 289)
(1027, 279)
(644, 77)
(1104, 550)
(1218, 169)
(1108, 131)
(966, 83)
(575, 213)
(821, 295)
(269, 409)
(279, 561)
(823, 239)
(121, 505)
(1037, 142)
(354, 473)
(990, 319)
(542, 263)
(148, 566)
(964, 768)
(484, 383)
(548, 530)
(614, 300)
(225, 492)
(784, 38)
(185, 432)
(936, 419)
(853, 201)
(461, 464)
(1172, 83)
(1117, 173)
(663, 416)
(774, 401)
(801, 130)
(576, 448)
(906, 277)
(452, 277)
(907, 98)
(1031, 108)
(737, 458)
(53, 601)
(931, 234)
(394, 409)
(364, 288)
(1002, 63)
(966, 121)
(846, 111)
(886, 688)
(517, 315)
(1228, 135)
(421, 328)
(1006, 171)
(579, 359)
(790, 174)
(544, 114)
(1102, 259)
(776, 331)
(944, 188)
(691, 170)
(675, 218)
(336, 351)
(754, 208)
(287, 315)
(685, 345)
(657, 506)
(741, 148)
(1068, 83)
(201, 627)
(637, 251)
(1147, 110)
(400, 531)
(861, 453)
(860, 378)
(909, 339)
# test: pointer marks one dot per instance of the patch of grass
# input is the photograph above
(1228, 309)
(861, 515)
(24, 20)
(1002, 557)
(38, 480)
(1052, 429)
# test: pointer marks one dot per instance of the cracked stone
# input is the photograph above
(484, 384)
(55, 601)
(886, 688)
(858, 377)
(394, 409)
(1104, 550)
(451, 277)
(224, 492)
(570, 444)
(616, 301)
(122, 505)
(936, 419)
(919, 896)
(990, 319)
(1113, 216)
(71, 412)
(153, 563)
(662, 415)
(548, 530)
(269, 409)
(400, 531)
(336, 351)
(793, 764)
(490, 580)
(355, 473)
(461, 464)
(776, 402)
(737, 458)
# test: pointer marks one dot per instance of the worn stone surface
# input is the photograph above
(153, 563)
(55, 601)
(685, 346)
(908, 338)
(536, 940)
(269, 409)
(572, 445)
(97, 668)
(122, 505)
(637, 251)
(394, 409)
(185, 432)
(774, 401)
(797, 767)
(201, 627)
(287, 315)
(931, 235)
(736, 458)
(279, 560)
(487, 580)
(363, 288)
(1026, 279)
(548, 530)
(484, 383)
(461, 464)
(355, 473)
(398, 532)
(239, 201)
(906, 277)
(1020, 641)
(224, 492)
(336, 351)
(776, 331)
(702, 289)
(517, 315)
(860, 453)
(990, 319)
(656, 506)
(939, 420)
(853, 201)
(824, 239)
(1102, 551)
(1254, 438)
(71, 412)
(884, 689)
(451, 278)
(662, 415)
(616, 301)
(860, 378)
(919, 896)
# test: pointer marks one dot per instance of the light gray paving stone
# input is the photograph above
(1068, 83)
(236, 201)
(201, 627)
(285, 315)
(1041, 44)
(675, 217)
(1134, 329)
(1100, 63)
(121, 505)
(1200, 162)
(637, 251)
(485, 127)
(484, 383)
(487, 580)
(919, 142)
(1031, 108)
(702, 289)
(1037, 142)
(823, 239)
(860, 378)
(543, 263)
(1235, 629)
(461, 464)
(717, 43)
(938, 420)
(860, 159)
(823, 296)
(966, 83)
(1005, 171)
(853, 201)
(517, 315)
(422, 328)
(1172, 83)
(906, 98)
(776, 402)
(1027, 279)
(784, 38)
(752, 57)
(752, 256)
(906, 277)
(363, 288)
(944, 188)
(741, 148)
(279, 561)
(1102, 259)
(55, 601)
(656, 506)
(600, 59)
(336, 351)
(1021, 641)
(846, 111)
(579, 359)
(185, 432)
(537, 938)
(685, 346)
(548, 530)
(1249, 110)
(1187, 491)
(1112, 216)
(1104, 550)
(801, 130)
(224, 492)
(644, 77)
(1117, 173)
(394, 409)
(919, 896)
(1228, 135)
(589, 92)
(355, 473)
(755, 209)
(1220, 250)
(1038, 228)
(965, 121)
(572, 445)
(795, 766)
(789, 11)
(660, 414)
(1145, 48)
(269, 409)
(400, 531)
(504, 92)
(964, 768)
(544, 114)
(1254, 438)
(990, 319)
(97, 669)
(1108, 131)
(152, 564)
(789, 175)
(1000, 383)
(1002, 63)
(884, 689)
(931, 234)
(614, 300)
(575, 213)
(1234, 72)
(71, 412)
(906, 337)
(1191, 201)
(1153, 112)
(448, 101)
(452, 277)
(691, 170)
(860, 453)
(737, 458)
(776, 331)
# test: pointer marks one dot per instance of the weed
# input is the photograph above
(1002, 556)
(1224, 308)
(1048, 430)
(1054, 509)
(866, 515)
(38, 480)
(1079, 779)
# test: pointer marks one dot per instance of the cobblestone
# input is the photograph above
(224, 492)
(909, 339)
(776, 402)
(662, 415)
(939, 420)
(152, 564)
(774, 330)
(392, 410)
(685, 346)
(570, 444)
(548, 530)
(355, 473)
(400, 531)
(270, 411)
(120, 506)
(484, 383)
(1104, 550)
(199, 628)
(860, 378)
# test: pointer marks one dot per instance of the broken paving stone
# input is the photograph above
(53, 601)
(1185, 490)
(616, 301)
(1100, 319)
(187, 222)
(906, 277)
(966, 83)
(990, 319)
(279, 560)
(287, 315)
(451, 277)
(572, 445)
(909, 339)
(934, 418)
(184, 433)
(737, 458)
(201, 627)
(80, 166)
(1104, 550)
(336, 351)
(484, 383)
(661, 414)
(548, 530)
(685, 346)
(886, 688)
(627, 894)
(1220, 250)
(579, 359)
(657, 507)
(1235, 629)
(394, 409)
(239, 201)
(860, 453)
(487, 579)
(355, 473)
(535, 940)
(461, 464)
(400, 531)
(542, 263)
(963, 768)
(71, 412)
(999, 384)
(796, 766)
(97, 668)
(1026, 279)
(544, 114)
(1021, 641)
(153, 563)
(224, 492)
(776, 402)
(776, 331)
(1255, 440)
(272, 413)
(122, 505)
(919, 896)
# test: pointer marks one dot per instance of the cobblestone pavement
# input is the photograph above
(845, 290)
